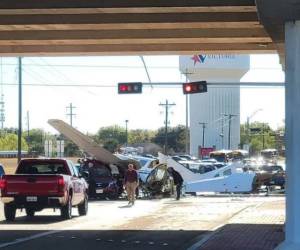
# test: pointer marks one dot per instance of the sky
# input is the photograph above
(100, 106)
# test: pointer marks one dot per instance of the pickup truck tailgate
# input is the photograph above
(37, 185)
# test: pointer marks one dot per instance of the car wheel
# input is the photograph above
(10, 212)
(83, 207)
(30, 212)
(66, 210)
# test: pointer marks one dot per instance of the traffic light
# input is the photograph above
(194, 87)
(130, 88)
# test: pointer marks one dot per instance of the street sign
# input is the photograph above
(204, 152)
(130, 88)
(255, 130)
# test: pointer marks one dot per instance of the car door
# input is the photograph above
(77, 185)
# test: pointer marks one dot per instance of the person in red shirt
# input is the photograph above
(131, 182)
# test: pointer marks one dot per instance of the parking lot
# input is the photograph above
(150, 224)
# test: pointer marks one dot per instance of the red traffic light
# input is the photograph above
(130, 88)
(194, 87)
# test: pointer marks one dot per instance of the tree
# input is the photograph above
(111, 137)
(176, 138)
(71, 149)
(140, 136)
(35, 141)
(260, 135)
(10, 142)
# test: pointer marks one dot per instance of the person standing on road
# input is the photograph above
(131, 182)
(178, 180)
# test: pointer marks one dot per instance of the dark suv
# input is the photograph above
(1, 171)
(103, 183)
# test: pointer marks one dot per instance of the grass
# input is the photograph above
(10, 164)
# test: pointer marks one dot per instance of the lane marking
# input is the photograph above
(32, 237)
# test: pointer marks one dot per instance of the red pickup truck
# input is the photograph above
(44, 183)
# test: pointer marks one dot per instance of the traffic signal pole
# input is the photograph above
(20, 111)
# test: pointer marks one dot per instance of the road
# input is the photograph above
(110, 225)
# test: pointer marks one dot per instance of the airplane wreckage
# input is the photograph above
(105, 171)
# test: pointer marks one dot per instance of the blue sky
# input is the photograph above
(102, 106)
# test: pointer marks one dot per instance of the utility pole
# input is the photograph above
(20, 111)
(230, 116)
(222, 131)
(2, 103)
(126, 127)
(263, 135)
(167, 105)
(203, 131)
(27, 120)
(71, 114)
(2, 111)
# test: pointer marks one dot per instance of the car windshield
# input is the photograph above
(41, 168)
(99, 171)
(219, 157)
(143, 162)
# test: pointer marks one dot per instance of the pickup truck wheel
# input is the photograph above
(9, 212)
(66, 210)
(30, 212)
(83, 207)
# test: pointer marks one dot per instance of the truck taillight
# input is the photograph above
(61, 181)
(3, 183)
(61, 185)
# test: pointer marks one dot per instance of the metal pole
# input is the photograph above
(166, 105)
(223, 132)
(71, 115)
(20, 111)
(187, 124)
(126, 122)
(203, 132)
(28, 125)
(248, 130)
(186, 119)
(263, 136)
(229, 131)
(166, 127)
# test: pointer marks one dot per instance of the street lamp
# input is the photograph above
(203, 132)
(248, 122)
(126, 122)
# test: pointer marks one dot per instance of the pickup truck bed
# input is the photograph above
(44, 183)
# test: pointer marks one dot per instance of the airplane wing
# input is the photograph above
(84, 142)
(186, 174)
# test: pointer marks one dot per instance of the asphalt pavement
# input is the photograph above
(150, 224)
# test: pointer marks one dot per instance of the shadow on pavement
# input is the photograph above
(245, 237)
(102, 239)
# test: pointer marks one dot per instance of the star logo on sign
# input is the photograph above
(196, 59)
